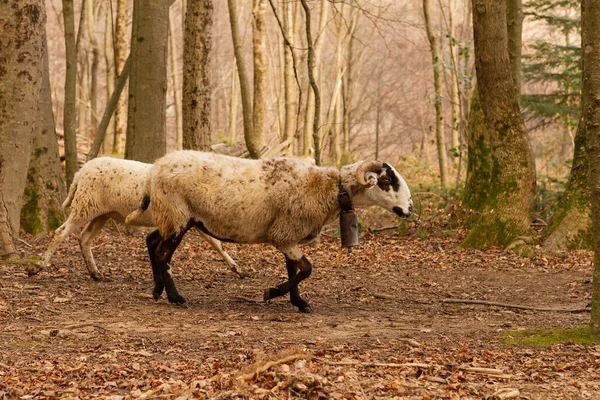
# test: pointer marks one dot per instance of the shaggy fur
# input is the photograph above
(107, 188)
(281, 201)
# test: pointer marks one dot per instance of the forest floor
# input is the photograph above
(379, 328)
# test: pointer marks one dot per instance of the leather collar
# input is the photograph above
(343, 198)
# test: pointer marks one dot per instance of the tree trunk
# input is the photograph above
(196, 82)
(260, 73)
(514, 19)
(175, 79)
(511, 191)
(94, 64)
(454, 88)
(244, 81)
(45, 188)
(146, 117)
(348, 84)
(310, 102)
(571, 226)
(479, 166)
(291, 92)
(109, 59)
(310, 61)
(233, 106)
(21, 74)
(590, 43)
(434, 42)
(70, 107)
(121, 50)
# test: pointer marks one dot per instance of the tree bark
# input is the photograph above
(479, 166)
(244, 81)
(434, 42)
(196, 81)
(511, 191)
(233, 106)
(70, 107)
(21, 73)
(590, 44)
(175, 79)
(310, 102)
(121, 50)
(514, 19)
(291, 92)
(260, 73)
(109, 59)
(146, 117)
(45, 186)
(454, 88)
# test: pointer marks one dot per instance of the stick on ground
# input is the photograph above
(518, 307)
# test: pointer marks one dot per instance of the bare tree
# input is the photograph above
(196, 82)
(146, 117)
(259, 109)
(109, 61)
(244, 81)
(175, 79)
(434, 42)
(21, 75)
(70, 107)
(121, 50)
(291, 92)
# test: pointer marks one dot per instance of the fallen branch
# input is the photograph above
(271, 364)
(379, 364)
(518, 307)
(504, 394)
(384, 228)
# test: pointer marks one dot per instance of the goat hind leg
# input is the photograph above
(60, 234)
(164, 252)
(226, 257)
(152, 241)
(90, 231)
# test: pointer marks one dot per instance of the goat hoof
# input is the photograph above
(305, 308)
(179, 300)
(97, 276)
(244, 274)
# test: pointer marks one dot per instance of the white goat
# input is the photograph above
(281, 201)
(107, 188)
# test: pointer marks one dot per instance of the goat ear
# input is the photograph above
(371, 179)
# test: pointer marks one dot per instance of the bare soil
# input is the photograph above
(378, 309)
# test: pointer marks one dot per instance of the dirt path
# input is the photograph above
(65, 336)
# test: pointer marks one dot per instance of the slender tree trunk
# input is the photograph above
(454, 88)
(196, 81)
(22, 49)
(146, 119)
(121, 50)
(310, 102)
(245, 90)
(94, 64)
(45, 187)
(176, 89)
(434, 42)
(378, 115)
(291, 92)
(70, 107)
(310, 60)
(109, 59)
(511, 191)
(233, 105)
(348, 83)
(260, 73)
(590, 15)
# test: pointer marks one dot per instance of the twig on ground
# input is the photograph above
(53, 311)
(25, 243)
(518, 307)
(504, 394)
(271, 364)
(248, 299)
(435, 379)
(384, 228)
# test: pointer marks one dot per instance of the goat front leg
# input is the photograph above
(163, 254)
(294, 261)
(152, 241)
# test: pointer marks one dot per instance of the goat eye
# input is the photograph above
(385, 179)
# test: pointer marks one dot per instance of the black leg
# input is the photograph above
(164, 252)
(291, 285)
(152, 241)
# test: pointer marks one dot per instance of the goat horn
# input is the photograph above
(367, 166)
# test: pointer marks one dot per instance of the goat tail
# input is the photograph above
(140, 210)
(71, 194)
